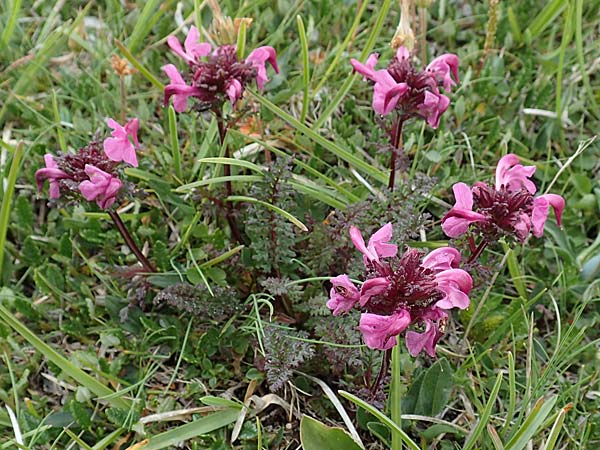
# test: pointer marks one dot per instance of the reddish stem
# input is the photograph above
(396, 145)
(235, 231)
(147, 265)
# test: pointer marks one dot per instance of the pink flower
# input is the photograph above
(432, 108)
(379, 332)
(258, 58)
(177, 89)
(371, 288)
(378, 247)
(509, 208)
(512, 175)
(400, 87)
(119, 147)
(434, 321)
(234, 91)
(386, 92)
(403, 291)
(443, 258)
(102, 187)
(194, 49)
(539, 214)
(51, 173)
(443, 67)
(456, 222)
(343, 295)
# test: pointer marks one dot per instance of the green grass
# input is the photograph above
(87, 350)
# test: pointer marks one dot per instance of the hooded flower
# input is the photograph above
(119, 147)
(401, 291)
(509, 208)
(101, 186)
(343, 295)
(214, 76)
(412, 93)
(51, 173)
(92, 171)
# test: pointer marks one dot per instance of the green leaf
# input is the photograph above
(287, 215)
(430, 392)
(531, 426)
(485, 415)
(315, 435)
(199, 427)
(382, 418)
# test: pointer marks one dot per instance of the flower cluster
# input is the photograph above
(400, 291)
(507, 209)
(91, 171)
(214, 75)
(412, 93)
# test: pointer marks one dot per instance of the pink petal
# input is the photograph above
(402, 53)
(523, 227)
(456, 284)
(386, 92)
(359, 243)
(378, 243)
(463, 196)
(539, 214)
(417, 342)
(175, 45)
(234, 91)
(433, 106)
(258, 58)
(379, 331)
(443, 66)
(193, 47)
(132, 128)
(367, 70)
(343, 295)
(513, 176)
(440, 259)
(372, 287)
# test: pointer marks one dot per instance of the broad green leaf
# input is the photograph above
(169, 439)
(532, 424)
(430, 392)
(315, 435)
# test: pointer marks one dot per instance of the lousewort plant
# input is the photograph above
(407, 92)
(214, 76)
(400, 291)
(94, 174)
(507, 209)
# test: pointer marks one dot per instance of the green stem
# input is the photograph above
(396, 397)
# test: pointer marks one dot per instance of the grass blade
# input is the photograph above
(382, 417)
(544, 18)
(338, 151)
(175, 142)
(191, 430)
(233, 162)
(241, 40)
(351, 79)
(7, 200)
(556, 428)
(67, 366)
(351, 33)
(485, 416)
(532, 424)
(287, 215)
(138, 65)
(305, 68)
(215, 180)
(144, 24)
(12, 22)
